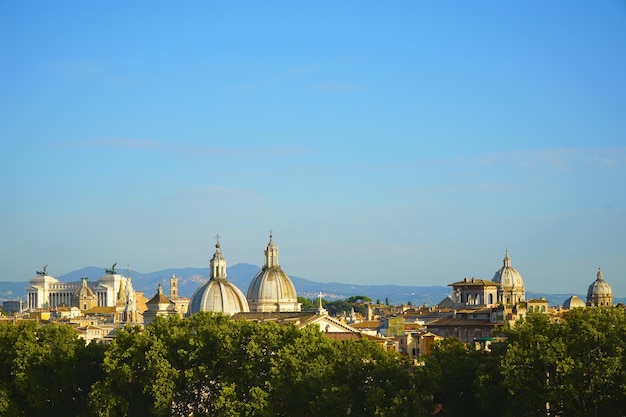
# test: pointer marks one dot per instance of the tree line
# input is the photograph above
(210, 365)
(338, 307)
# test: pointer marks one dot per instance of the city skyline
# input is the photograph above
(410, 145)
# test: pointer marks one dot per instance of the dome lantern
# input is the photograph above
(218, 263)
(271, 254)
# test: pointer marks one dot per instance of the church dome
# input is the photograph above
(511, 283)
(85, 297)
(160, 301)
(599, 293)
(84, 291)
(218, 295)
(271, 289)
(573, 302)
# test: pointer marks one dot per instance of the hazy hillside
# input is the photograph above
(190, 279)
(242, 274)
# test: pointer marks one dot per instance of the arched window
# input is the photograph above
(490, 298)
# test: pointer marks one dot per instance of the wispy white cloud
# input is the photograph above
(91, 71)
(301, 72)
(190, 149)
(294, 72)
(240, 152)
(556, 160)
(212, 193)
(275, 78)
(337, 87)
(244, 88)
(119, 143)
(465, 188)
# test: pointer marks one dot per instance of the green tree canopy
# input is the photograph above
(359, 299)
(307, 304)
(572, 367)
(210, 365)
(45, 370)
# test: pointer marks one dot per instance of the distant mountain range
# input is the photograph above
(190, 279)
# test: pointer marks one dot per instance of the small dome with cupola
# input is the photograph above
(511, 289)
(599, 293)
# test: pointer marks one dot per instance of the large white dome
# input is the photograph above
(218, 295)
(271, 289)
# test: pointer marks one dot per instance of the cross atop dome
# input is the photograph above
(218, 263)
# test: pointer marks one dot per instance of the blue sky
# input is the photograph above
(407, 143)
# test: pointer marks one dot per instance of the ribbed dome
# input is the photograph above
(218, 295)
(271, 289)
(573, 302)
(84, 291)
(272, 284)
(599, 292)
(511, 283)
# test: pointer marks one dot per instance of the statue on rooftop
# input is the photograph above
(112, 270)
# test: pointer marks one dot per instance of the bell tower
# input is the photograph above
(173, 288)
